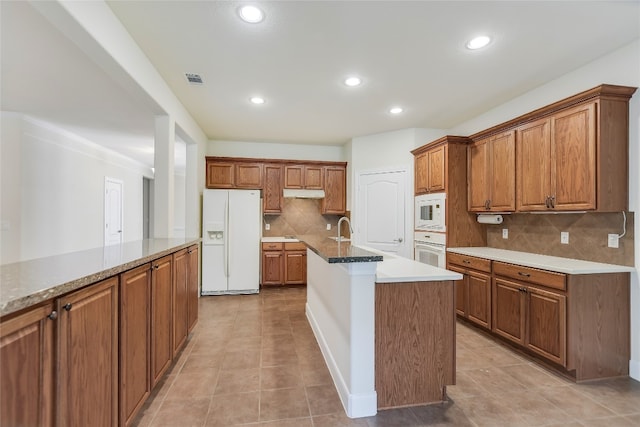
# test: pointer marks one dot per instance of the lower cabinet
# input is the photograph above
(27, 368)
(284, 263)
(272, 263)
(193, 292)
(180, 300)
(87, 380)
(161, 317)
(473, 291)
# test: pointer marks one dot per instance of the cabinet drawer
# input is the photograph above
(272, 246)
(295, 246)
(531, 275)
(466, 261)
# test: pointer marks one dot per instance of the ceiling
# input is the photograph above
(409, 54)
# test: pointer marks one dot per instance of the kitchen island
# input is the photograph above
(385, 325)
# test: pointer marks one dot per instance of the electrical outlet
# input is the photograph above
(267, 227)
(505, 233)
(564, 237)
(613, 241)
(328, 226)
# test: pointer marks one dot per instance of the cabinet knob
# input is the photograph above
(53, 315)
(524, 274)
(466, 261)
(67, 306)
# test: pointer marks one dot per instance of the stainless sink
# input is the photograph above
(340, 239)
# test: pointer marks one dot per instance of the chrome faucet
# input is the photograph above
(344, 218)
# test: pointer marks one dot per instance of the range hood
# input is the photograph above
(302, 194)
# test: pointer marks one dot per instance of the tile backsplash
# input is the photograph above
(300, 216)
(540, 234)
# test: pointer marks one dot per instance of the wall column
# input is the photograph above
(164, 180)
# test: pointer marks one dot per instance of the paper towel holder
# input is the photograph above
(490, 219)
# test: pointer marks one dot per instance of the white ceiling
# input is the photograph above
(408, 53)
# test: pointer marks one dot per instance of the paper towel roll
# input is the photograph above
(490, 219)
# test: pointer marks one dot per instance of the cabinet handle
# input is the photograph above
(552, 201)
(522, 289)
(67, 306)
(466, 261)
(546, 202)
(524, 274)
(487, 204)
(53, 315)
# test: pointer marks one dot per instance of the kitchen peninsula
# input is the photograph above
(385, 325)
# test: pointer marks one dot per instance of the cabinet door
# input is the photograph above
(479, 298)
(88, 357)
(509, 310)
(294, 176)
(295, 263)
(313, 177)
(272, 267)
(421, 171)
(436, 170)
(335, 198)
(27, 368)
(502, 176)
(546, 324)
(192, 298)
(161, 318)
(533, 142)
(272, 191)
(135, 384)
(180, 301)
(220, 175)
(461, 291)
(248, 175)
(573, 154)
(478, 169)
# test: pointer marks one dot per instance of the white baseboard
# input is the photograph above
(356, 405)
(634, 369)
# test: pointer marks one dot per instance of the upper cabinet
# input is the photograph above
(272, 191)
(569, 156)
(491, 172)
(310, 177)
(220, 174)
(335, 197)
(430, 173)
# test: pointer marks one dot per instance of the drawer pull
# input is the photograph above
(522, 290)
(466, 261)
(524, 274)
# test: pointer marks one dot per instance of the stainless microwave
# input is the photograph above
(430, 212)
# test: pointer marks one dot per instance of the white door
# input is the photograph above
(112, 211)
(381, 211)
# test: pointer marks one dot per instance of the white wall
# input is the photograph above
(52, 199)
(275, 150)
(621, 67)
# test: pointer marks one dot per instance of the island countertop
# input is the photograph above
(26, 283)
(335, 252)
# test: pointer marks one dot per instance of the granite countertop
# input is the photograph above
(338, 252)
(279, 239)
(543, 262)
(23, 284)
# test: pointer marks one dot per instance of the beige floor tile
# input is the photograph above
(324, 399)
(233, 409)
(575, 404)
(287, 376)
(241, 359)
(238, 381)
(283, 403)
(190, 412)
(192, 385)
(338, 420)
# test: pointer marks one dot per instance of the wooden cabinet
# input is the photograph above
(556, 163)
(491, 172)
(27, 368)
(528, 314)
(430, 172)
(310, 177)
(180, 300)
(135, 341)
(220, 174)
(335, 188)
(272, 191)
(272, 263)
(161, 318)
(248, 175)
(295, 263)
(193, 291)
(473, 291)
(88, 356)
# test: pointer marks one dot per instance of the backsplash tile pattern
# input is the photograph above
(300, 216)
(540, 234)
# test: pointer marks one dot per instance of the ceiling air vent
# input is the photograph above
(194, 79)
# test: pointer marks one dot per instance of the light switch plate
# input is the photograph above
(505, 233)
(613, 241)
(267, 227)
(564, 237)
(328, 226)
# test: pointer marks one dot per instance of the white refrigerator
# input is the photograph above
(231, 231)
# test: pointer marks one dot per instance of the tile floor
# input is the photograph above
(253, 360)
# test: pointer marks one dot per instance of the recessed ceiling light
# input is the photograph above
(396, 110)
(478, 42)
(257, 100)
(251, 14)
(353, 81)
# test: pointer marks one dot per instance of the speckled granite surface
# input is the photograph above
(338, 252)
(27, 283)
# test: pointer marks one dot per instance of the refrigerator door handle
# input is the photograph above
(226, 238)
